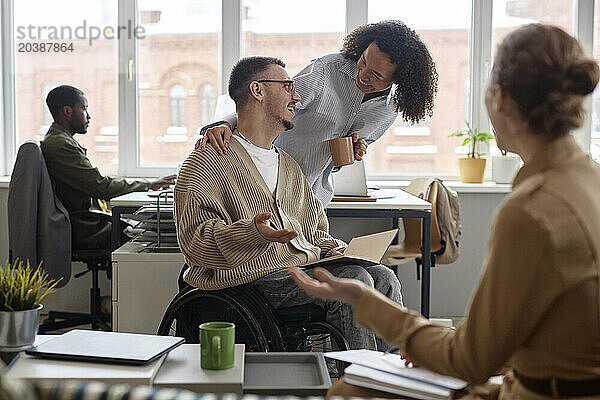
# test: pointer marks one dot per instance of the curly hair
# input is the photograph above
(415, 77)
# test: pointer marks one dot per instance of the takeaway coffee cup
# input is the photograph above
(217, 344)
(342, 151)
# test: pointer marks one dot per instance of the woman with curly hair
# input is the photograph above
(383, 69)
(537, 306)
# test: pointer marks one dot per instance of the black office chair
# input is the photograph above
(96, 260)
(40, 230)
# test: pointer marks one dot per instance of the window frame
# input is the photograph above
(231, 39)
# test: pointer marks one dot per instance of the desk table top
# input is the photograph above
(395, 199)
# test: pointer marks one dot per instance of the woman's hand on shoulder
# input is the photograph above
(218, 136)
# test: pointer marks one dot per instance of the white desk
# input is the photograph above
(180, 370)
(401, 205)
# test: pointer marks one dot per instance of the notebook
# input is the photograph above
(362, 250)
(387, 372)
(106, 347)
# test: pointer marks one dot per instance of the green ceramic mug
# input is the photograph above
(217, 344)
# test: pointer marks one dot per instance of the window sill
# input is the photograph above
(486, 187)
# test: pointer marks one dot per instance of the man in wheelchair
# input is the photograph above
(247, 214)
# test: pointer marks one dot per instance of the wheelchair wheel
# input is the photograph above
(191, 308)
(319, 336)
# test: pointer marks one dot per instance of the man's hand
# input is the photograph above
(163, 182)
(268, 232)
(338, 252)
(360, 146)
(218, 136)
(329, 287)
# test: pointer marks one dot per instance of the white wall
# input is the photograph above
(451, 287)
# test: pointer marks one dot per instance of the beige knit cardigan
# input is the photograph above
(216, 200)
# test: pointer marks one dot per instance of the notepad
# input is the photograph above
(387, 372)
(363, 250)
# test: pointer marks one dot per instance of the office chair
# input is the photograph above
(411, 246)
(40, 231)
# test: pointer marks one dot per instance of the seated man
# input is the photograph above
(78, 183)
(247, 215)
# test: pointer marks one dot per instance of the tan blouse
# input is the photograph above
(537, 306)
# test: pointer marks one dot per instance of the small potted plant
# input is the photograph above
(22, 289)
(505, 167)
(473, 166)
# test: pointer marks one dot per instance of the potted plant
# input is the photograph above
(22, 289)
(505, 167)
(473, 166)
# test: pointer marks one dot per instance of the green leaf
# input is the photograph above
(23, 287)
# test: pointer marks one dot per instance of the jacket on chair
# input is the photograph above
(39, 229)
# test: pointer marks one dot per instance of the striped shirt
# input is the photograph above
(331, 107)
(216, 200)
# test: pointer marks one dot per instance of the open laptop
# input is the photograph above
(351, 180)
(106, 347)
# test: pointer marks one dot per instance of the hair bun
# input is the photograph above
(581, 77)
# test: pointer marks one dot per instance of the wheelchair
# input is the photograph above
(257, 324)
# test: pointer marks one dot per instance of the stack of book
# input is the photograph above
(387, 372)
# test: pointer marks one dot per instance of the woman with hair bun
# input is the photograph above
(537, 306)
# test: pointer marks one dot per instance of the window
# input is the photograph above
(511, 14)
(424, 148)
(181, 48)
(91, 67)
(148, 94)
(177, 99)
(208, 101)
(47, 117)
(293, 31)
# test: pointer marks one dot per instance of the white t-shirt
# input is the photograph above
(266, 161)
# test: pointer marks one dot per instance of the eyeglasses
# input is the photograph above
(288, 84)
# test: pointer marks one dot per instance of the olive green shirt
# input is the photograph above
(537, 306)
(79, 184)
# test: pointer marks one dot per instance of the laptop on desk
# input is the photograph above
(350, 180)
(350, 184)
(106, 347)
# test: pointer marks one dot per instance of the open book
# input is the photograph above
(363, 250)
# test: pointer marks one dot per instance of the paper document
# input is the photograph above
(393, 364)
(387, 382)
(363, 250)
